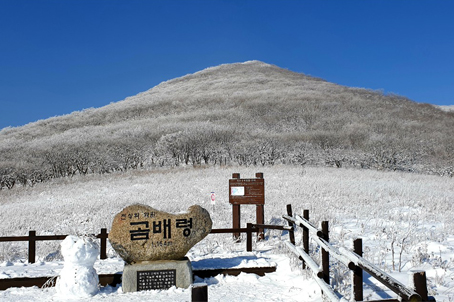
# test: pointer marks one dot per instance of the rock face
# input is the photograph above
(141, 233)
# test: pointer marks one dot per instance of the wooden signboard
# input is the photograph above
(247, 191)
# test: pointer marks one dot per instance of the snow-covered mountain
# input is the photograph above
(447, 108)
(244, 113)
(237, 116)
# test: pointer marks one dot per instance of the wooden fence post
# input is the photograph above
(291, 232)
(325, 254)
(103, 248)
(358, 272)
(305, 235)
(31, 246)
(249, 237)
(420, 284)
(260, 213)
(199, 293)
(236, 212)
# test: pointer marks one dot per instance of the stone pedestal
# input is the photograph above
(162, 274)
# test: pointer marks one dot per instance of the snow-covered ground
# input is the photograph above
(220, 286)
(406, 213)
(447, 108)
(283, 285)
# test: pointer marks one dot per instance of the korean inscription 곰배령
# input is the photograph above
(142, 233)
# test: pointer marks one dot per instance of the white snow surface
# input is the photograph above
(447, 107)
(413, 211)
(283, 285)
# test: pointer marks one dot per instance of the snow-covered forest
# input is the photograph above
(405, 219)
(245, 114)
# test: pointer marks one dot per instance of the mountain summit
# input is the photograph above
(243, 113)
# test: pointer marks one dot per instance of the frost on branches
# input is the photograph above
(78, 278)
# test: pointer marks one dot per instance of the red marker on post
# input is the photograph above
(213, 196)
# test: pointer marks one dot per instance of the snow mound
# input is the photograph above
(78, 278)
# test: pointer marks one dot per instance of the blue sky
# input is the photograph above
(60, 56)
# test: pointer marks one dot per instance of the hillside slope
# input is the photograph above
(245, 113)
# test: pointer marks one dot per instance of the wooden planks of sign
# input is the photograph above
(247, 191)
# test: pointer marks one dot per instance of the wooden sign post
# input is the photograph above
(247, 191)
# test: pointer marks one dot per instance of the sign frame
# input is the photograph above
(247, 190)
(253, 193)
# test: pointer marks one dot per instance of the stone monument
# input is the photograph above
(154, 244)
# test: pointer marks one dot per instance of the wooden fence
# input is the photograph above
(114, 279)
(32, 238)
(353, 260)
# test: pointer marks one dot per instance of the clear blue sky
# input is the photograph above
(59, 56)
